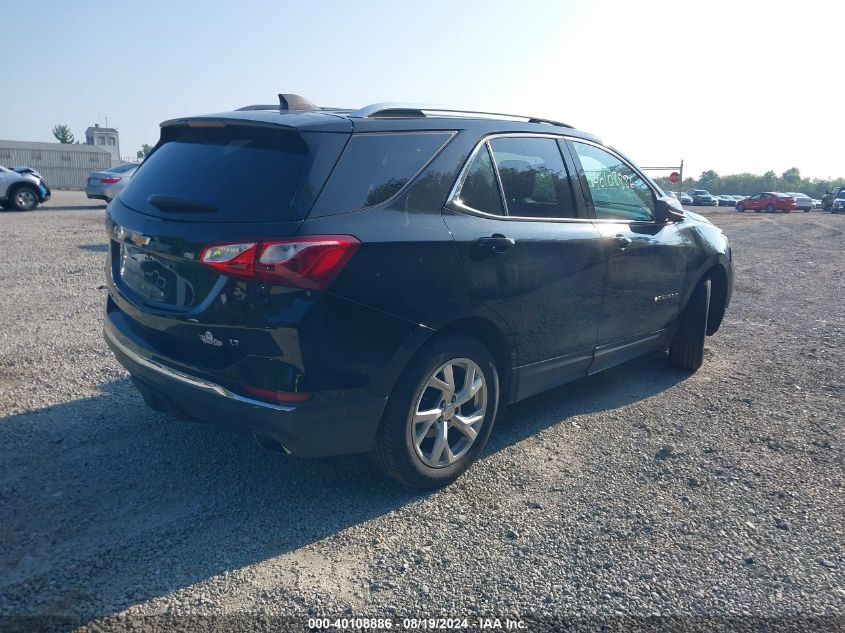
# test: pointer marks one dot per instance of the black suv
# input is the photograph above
(385, 280)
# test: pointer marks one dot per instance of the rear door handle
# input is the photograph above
(622, 242)
(497, 242)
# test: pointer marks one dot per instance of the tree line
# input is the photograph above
(748, 184)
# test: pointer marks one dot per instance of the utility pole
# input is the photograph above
(681, 181)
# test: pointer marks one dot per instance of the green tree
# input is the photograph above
(709, 180)
(63, 134)
(144, 151)
(790, 180)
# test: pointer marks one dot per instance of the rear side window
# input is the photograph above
(534, 177)
(374, 167)
(227, 174)
(479, 190)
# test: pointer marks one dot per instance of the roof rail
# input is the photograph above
(416, 110)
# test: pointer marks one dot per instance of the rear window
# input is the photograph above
(374, 167)
(120, 169)
(228, 174)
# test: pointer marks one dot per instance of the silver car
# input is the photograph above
(22, 188)
(802, 201)
(106, 184)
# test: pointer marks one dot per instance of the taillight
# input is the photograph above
(232, 259)
(109, 181)
(311, 261)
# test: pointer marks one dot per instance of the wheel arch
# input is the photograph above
(718, 275)
(492, 335)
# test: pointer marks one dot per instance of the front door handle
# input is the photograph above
(497, 242)
(622, 242)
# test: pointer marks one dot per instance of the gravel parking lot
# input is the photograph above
(640, 496)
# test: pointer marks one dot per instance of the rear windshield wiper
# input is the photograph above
(173, 203)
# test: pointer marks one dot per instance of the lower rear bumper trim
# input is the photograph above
(187, 379)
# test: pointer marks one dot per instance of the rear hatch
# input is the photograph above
(207, 182)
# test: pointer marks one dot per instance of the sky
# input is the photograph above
(738, 86)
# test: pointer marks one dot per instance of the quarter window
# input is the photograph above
(374, 167)
(534, 177)
(479, 190)
(618, 192)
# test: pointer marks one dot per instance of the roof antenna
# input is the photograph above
(289, 102)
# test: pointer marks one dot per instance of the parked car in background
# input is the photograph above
(726, 201)
(738, 198)
(106, 184)
(817, 204)
(313, 310)
(768, 201)
(685, 198)
(22, 188)
(702, 198)
(830, 196)
(837, 203)
(803, 202)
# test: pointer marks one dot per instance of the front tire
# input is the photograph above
(687, 348)
(440, 414)
(23, 199)
(740, 207)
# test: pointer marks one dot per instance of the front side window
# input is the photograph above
(374, 167)
(534, 177)
(479, 190)
(618, 192)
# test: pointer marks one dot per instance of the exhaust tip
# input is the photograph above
(270, 444)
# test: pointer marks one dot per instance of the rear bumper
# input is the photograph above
(311, 429)
(96, 193)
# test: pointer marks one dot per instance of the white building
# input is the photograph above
(63, 166)
(105, 138)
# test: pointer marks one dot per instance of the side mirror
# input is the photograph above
(668, 209)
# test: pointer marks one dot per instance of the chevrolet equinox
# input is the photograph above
(384, 280)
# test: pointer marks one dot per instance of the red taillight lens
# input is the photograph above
(277, 396)
(307, 262)
(109, 181)
(304, 262)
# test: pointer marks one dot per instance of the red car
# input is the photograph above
(769, 202)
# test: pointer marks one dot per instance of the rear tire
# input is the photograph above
(399, 452)
(687, 348)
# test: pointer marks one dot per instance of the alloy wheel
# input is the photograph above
(24, 199)
(449, 413)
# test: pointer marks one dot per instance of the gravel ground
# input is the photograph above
(638, 497)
